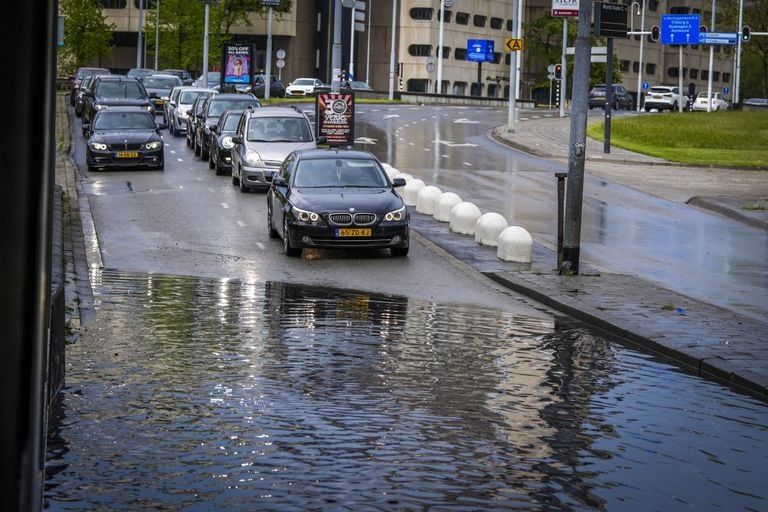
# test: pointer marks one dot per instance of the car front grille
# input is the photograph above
(124, 147)
(348, 219)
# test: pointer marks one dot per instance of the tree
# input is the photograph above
(754, 56)
(182, 25)
(86, 34)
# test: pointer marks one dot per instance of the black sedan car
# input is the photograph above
(159, 87)
(124, 137)
(220, 157)
(340, 199)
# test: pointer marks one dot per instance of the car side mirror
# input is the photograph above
(398, 182)
(172, 103)
(86, 127)
(278, 181)
(322, 140)
(189, 112)
(237, 139)
(153, 95)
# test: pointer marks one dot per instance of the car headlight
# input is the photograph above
(305, 216)
(227, 143)
(252, 158)
(395, 216)
(98, 146)
(155, 144)
(100, 107)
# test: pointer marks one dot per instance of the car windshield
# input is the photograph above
(279, 129)
(217, 107)
(91, 72)
(130, 90)
(304, 81)
(189, 97)
(230, 123)
(160, 83)
(333, 173)
(124, 121)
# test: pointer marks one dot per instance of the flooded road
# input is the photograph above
(214, 394)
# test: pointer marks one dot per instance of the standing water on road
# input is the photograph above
(194, 394)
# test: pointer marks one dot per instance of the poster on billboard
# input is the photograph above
(335, 115)
(236, 62)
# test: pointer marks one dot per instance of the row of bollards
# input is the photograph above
(514, 243)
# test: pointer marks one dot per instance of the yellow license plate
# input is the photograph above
(127, 154)
(353, 232)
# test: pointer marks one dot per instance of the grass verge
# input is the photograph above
(720, 139)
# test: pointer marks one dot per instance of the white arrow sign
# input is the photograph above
(455, 144)
(365, 140)
(390, 115)
(465, 121)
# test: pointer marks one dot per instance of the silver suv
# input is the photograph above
(264, 137)
(662, 97)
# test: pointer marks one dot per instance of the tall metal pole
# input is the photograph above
(578, 138)
(392, 52)
(519, 35)
(157, 33)
(640, 69)
(512, 112)
(205, 46)
(268, 70)
(368, 51)
(351, 72)
(439, 84)
(336, 49)
(711, 63)
(564, 67)
(737, 75)
(680, 78)
(140, 40)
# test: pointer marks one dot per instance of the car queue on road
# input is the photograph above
(252, 144)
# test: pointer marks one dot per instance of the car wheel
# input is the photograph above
(204, 153)
(243, 188)
(160, 167)
(235, 179)
(189, 142)
(675, 107)
(398, 252)
(287, 248)
(210, 161)
(273, 234)
(196, 146)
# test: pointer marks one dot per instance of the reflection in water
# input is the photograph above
(188, 394)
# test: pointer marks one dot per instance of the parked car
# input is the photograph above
(354, 86)
(214, 79)
(341, 199)
(620, 97)
(276, 87)
(159, 87)
(113, 91)
(663, 97)
(211, 110)
(124, 137)
(303, 87)
(263, 139)
(718, 102)
(180, 100)
(139, 73)
(222, 132)
(183, 74)
(78, 78)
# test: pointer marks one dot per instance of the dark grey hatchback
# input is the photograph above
(339, 199)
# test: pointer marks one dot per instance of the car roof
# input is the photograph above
(318, 154)
(123, 108)
(157, 74)
(233, 96)
(117, 78)
(276, 111)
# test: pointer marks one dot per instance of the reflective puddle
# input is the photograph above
(193, 394)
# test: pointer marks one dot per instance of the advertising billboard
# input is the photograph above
(335, 115)
(237, 63)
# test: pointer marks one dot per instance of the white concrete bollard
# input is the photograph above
(391, 172)
(407, 177)
(464, 218)
(489, 227)
(411, 191)
(425, 200)
(515, 244)
(443, 205)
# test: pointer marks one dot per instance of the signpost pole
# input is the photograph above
(680, 79)
(391, 52)
(608, 97)
(512, 114)
(737, 75)
(268, 70)
(563, 63)
(351, 72)
(439, 83)
(642, 40)
(205, 45)
(711, 64)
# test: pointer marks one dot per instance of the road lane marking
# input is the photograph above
(241, 224)
(468, 164)
(224, 205)
(260, 246)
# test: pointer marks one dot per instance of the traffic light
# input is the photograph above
(558, 71)
(746, 33)
(655, 33)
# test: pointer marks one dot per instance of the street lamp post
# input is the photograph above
(140, 42)
(157, 33)
(641, 11)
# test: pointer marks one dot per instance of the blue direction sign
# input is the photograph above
(680, 28)
(731, 38)
(479, 50)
